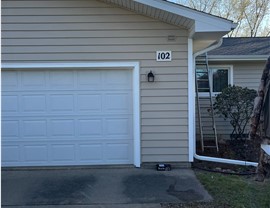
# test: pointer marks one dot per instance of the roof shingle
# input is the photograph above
(250, 46)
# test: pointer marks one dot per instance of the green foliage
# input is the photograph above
(236, 191)
(236, 104)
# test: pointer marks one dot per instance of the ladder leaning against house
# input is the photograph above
(205, 111)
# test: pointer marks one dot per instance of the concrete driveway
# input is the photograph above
(107, 187)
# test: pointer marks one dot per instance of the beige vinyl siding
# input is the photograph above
(223, 127)
(248, 74)
(76, 31)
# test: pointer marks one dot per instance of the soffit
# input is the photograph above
(204, 29)
(156, 13)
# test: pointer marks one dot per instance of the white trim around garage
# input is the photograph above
(134, 66)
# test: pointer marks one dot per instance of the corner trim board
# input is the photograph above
(191, 101)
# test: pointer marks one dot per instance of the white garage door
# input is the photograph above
(66, 117)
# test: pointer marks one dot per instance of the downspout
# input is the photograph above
(192, 121)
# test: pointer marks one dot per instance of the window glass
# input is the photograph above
(220, 79)
(203, 85)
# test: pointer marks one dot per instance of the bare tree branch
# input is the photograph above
(251, 15)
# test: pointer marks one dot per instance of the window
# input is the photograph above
(219, 77)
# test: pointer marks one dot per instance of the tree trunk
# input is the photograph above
(263, 169)
(260, 122)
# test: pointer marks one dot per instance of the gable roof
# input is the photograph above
(241, 48)
(201, 26)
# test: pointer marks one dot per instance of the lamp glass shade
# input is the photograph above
(150, 77)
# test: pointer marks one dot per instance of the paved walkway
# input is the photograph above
(104, 188)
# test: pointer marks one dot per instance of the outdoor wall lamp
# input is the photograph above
(150, 77)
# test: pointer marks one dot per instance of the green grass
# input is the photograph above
(236, 191)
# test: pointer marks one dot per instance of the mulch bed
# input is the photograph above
(236, 149)
(245, 150)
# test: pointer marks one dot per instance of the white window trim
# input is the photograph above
(230, 79)
(134, 66)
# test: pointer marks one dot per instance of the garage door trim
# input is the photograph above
(134, 66)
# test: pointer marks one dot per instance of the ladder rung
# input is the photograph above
(203, 88)
(203, 80)
(210, 146)
(201, 59)
(201, 68)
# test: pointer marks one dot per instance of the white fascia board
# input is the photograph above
(212, 26)
(237, 57)
(203, 21)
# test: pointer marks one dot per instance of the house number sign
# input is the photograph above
(164, 55)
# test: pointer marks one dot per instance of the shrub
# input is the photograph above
(236, 104)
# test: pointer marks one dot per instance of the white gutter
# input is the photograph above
(191, 110)
(212, 47)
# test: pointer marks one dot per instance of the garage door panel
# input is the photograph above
(117, 103)
(33, 80)
(67, 117)
(95, 149)
(33, 103)
(10, 154)
(90, 127)
(34, 128)
(89, 103)
(89, 80)
(40, 152)
(62, 152)
(118, 152)
(10, 104)
(61, 102)
(117, 80)
(10, 128)
(62, 127)
(60, 80)
(10, 81)
(117, 127)
(67, 153)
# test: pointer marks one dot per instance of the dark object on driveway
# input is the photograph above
(163, 167)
